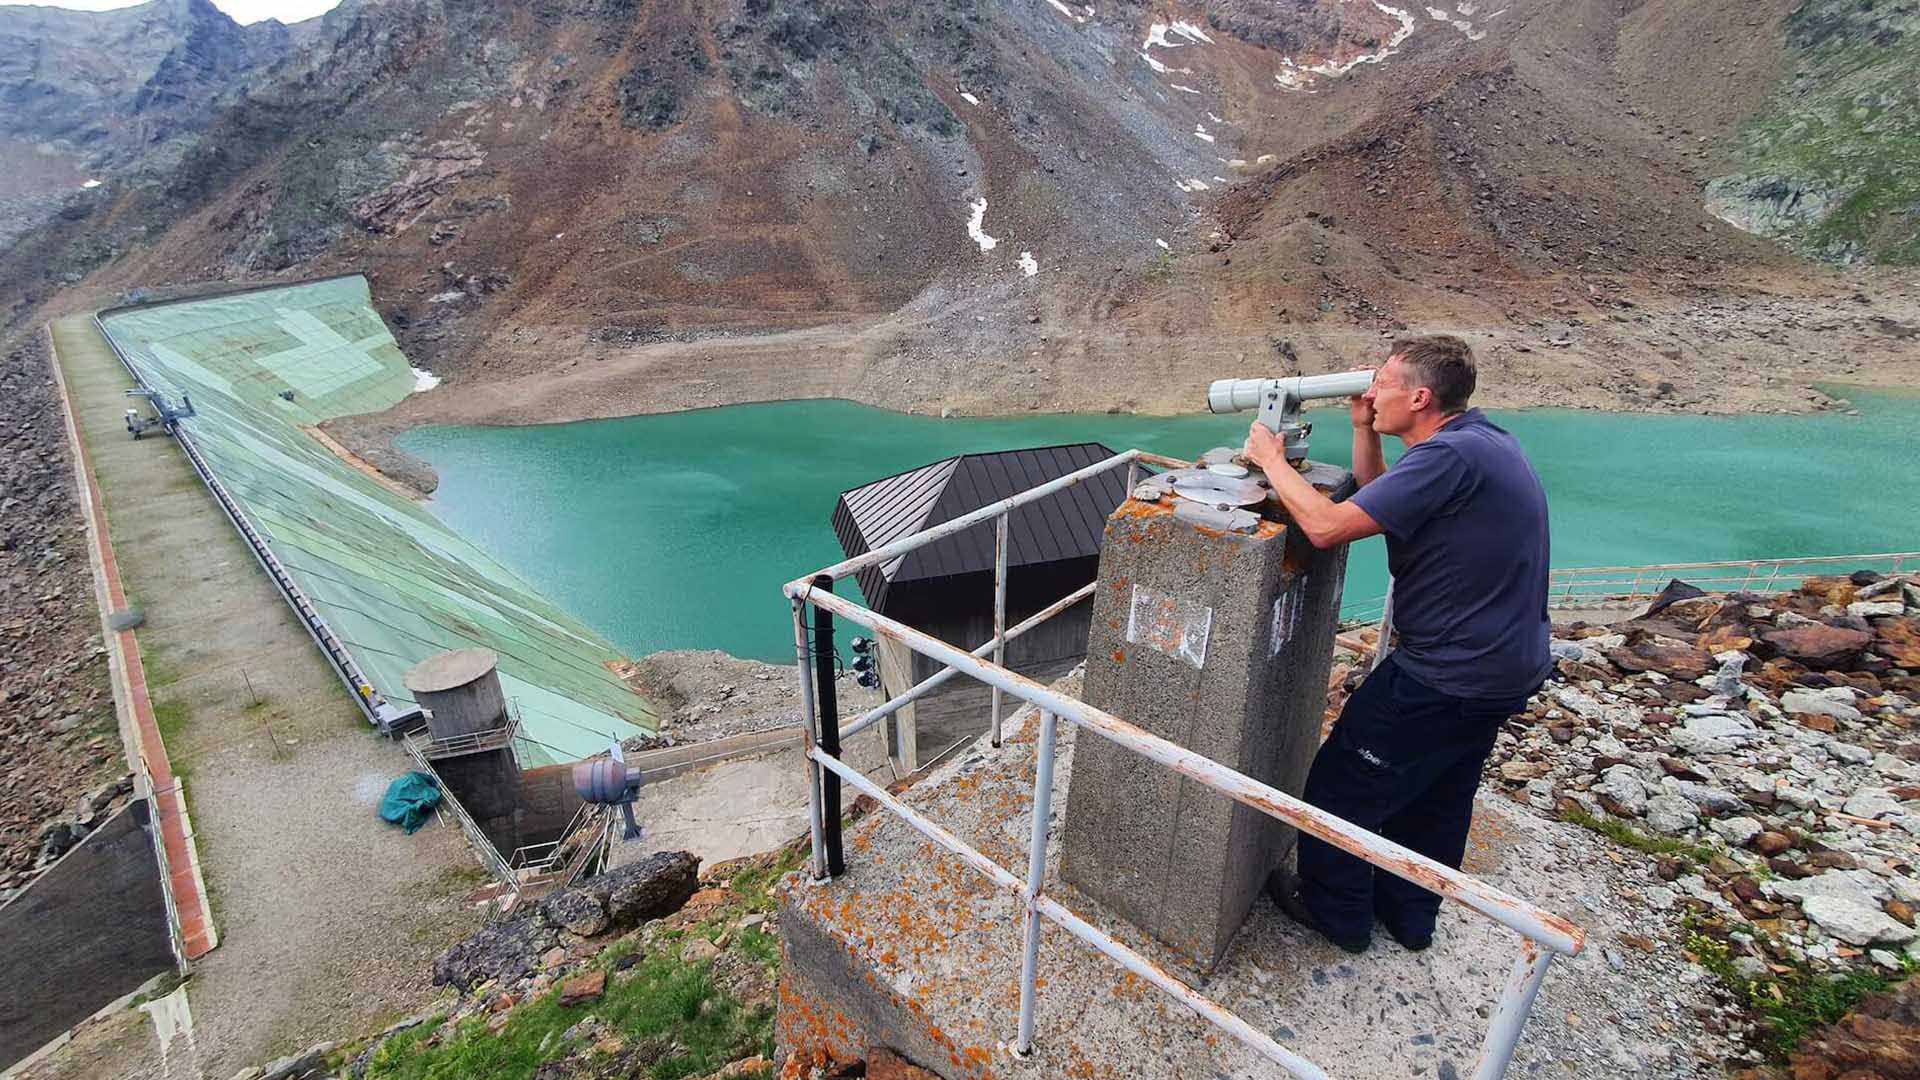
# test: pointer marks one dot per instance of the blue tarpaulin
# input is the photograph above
(409, 800)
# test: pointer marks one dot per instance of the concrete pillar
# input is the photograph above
(1220, 642)
(460, 689)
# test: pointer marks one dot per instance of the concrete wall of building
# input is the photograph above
(90, 930)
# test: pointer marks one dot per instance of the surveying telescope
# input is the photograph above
(1279, 401)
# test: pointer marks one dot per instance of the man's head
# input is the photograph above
(1424, 381)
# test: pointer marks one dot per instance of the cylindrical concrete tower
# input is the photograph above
(461, 692)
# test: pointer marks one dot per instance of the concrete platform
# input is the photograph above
(913, 950)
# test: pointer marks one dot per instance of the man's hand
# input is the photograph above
(1266, 449)
(1362, 411)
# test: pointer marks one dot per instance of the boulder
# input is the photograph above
(1674, 592)
(1686, 662)
(1516, 771)
(584, 988)
(1623, 789)
(1830, 590)
(649, 888)
(1861, 887)
(1834, 702)
(1856, 923)
(1736, 831)
(308, 1062)
(504, 950)
(1881, 1029)
(1819, 646)
(1898, 640)
(1710, 799)
(1671, 814)
(1871, 802)
(1714, 733)
(1868, 609)
(576, 911)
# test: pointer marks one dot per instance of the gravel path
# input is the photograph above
(329, 918)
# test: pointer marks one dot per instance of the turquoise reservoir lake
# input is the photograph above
(676, 531)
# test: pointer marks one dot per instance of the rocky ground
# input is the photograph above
(62, 765)
(1756, 754)
(706, 694)
(652, 969)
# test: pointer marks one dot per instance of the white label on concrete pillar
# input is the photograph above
(1170, 625)
(1286, 614)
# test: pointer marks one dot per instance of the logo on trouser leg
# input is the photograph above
(1371, 758)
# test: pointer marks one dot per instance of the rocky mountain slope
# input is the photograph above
(90, 96)
(1831, 161)
(1007, 204)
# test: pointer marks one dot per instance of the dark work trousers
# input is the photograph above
(1403, 761)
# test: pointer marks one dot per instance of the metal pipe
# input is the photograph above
(930, 683)
(826, 700)
(999, 613)
(1193, 999)
(806, 735)
(1503, 1031)
(888, 552)
(1036, 879)
(1555, 932)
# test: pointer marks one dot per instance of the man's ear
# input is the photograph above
(1420, 398)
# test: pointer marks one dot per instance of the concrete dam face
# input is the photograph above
(389, 583)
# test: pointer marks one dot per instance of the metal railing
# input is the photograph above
(540, 867)
(483, 848)
(473, 742)
(1544, 934)
(1625, 586)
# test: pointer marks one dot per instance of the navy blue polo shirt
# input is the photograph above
(1466, 527)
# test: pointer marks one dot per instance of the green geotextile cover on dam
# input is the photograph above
(395, 584)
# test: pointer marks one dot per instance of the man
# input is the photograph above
(1466, 525)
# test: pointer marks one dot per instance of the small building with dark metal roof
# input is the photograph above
(946, 588)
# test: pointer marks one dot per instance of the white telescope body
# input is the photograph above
(1279, 400)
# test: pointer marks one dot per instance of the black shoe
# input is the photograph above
(1409, 943)
(1286, 896)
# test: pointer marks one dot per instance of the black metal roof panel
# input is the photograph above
(1066, 525)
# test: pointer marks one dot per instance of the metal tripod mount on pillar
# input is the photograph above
(1279, 401)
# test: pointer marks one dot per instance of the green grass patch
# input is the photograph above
(1791, 1004)
(171, 716)
(672, 1020)
(658, 1005)
(1627, 836)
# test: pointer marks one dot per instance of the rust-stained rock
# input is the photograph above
(1819, 647)
(1831, 590)
(1898, 639)
(884, 1064)
(1674, 661)
(583, 988)
(1879, 1039)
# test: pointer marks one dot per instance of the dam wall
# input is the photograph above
(388, 583)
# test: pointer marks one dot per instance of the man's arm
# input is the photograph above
(1325, 522)
(1368, 460)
